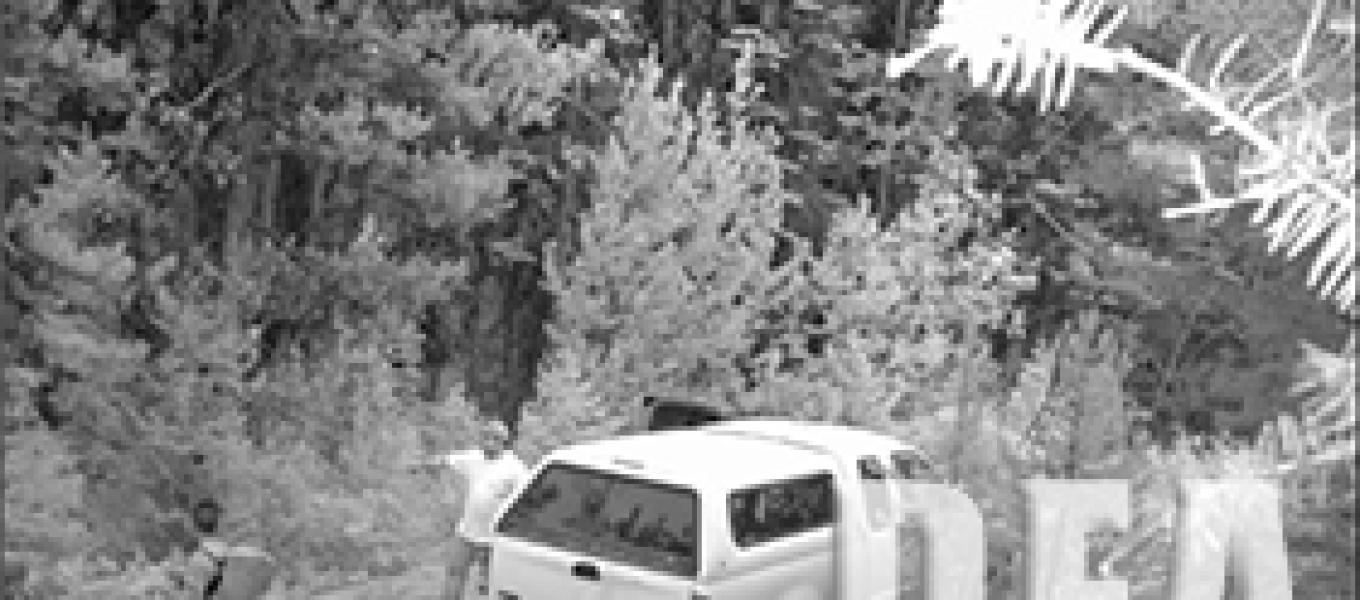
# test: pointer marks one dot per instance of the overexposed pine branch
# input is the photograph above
(1293, 175)
(1306, 40)
(1208, 102)
(1024, 42)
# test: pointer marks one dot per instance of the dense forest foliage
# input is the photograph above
(268, 252)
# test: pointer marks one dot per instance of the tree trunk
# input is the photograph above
(507, 310)
(269, 195)
(237, 209)
(886, 206)
(487, 342)
(438, 327)
(900, 32)
(315, 227)
(190, 227)
(769, 15)
(668, 32)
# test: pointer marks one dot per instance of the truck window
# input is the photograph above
(781, 509)
(619, 518)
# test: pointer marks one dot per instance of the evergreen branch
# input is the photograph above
(1036, 37)
(1305, 42)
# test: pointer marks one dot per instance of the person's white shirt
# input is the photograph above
(486, 482)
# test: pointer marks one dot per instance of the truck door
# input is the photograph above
(868, 549)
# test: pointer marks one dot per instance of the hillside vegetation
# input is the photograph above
(269, 252)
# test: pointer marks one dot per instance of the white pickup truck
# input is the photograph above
(743, 509)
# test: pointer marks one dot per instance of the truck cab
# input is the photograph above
(739, 509)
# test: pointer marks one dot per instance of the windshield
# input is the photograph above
(615, 517)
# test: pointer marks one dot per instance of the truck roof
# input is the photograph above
(822, 435)
(695, 458)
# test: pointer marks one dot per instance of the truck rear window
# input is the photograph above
(609, 515)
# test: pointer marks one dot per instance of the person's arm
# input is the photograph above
(458, 461)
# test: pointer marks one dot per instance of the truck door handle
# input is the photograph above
(585, 570)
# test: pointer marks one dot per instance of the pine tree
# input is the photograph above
(676, 277)
(911, 309)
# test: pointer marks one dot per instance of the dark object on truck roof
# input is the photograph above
(667, 414)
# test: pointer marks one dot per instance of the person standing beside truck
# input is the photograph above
(206, 515)
(233, 572)
(487, 476)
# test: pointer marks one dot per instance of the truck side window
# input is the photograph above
(781, 509)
